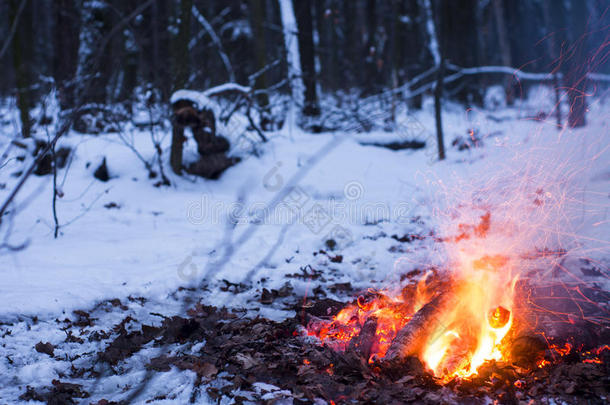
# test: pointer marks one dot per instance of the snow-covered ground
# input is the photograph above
(267, 216)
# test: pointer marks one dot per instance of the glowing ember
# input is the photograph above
(391, 316)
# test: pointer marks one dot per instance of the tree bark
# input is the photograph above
(257, 20)
(503, 42)
(370, 49)
(575, 66)
(414, 32)
(438, 93)
(552, 54)
(350, 46)
(65, 61)
(22, 63)
(175, 154)
(181, 50)
(436, 50)
(306, 49)
(291, 42)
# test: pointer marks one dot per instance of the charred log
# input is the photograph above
(527, 351)
(410, 339)
(363, 343)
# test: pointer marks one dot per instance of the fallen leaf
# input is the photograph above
(46, 348)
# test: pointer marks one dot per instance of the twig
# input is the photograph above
(254, 126)
(87, 209)
(30, 170)
(54, 163)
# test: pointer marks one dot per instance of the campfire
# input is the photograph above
(453, 327)
(457, 322)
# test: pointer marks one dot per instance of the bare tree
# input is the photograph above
(439, 62)
(552, 45)
(257, 23)
(293, 55)
(575, 65)
(181, 51)
(66, 44)
(21, 19)
(306, 48)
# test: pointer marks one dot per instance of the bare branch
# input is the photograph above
(208, 27)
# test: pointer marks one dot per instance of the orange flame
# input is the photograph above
(468, 334)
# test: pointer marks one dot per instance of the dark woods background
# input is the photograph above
(104, 51)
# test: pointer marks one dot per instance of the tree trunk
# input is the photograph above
(370, 51)
(327, 43)
(415, 32)
(181, 50)
(438, 93)
(67, 30)
(436, 50)
(99, 18)
(175, 154)
(22, 63)
(292, 48)
(351, 44)
(552, 54)
(394, 55)
(306, 48)
(257, 21)
(482, 38)
(163, 69)
(503, 42)
(575, 67)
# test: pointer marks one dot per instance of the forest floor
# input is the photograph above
(312, 216)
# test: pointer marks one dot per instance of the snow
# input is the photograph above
(256, 224)
(200, 99)
(227, 87)
(495, 98)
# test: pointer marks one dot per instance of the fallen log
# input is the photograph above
(363, 343)
(410, 339)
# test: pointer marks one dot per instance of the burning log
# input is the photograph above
(410, 339)
(363, 343)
